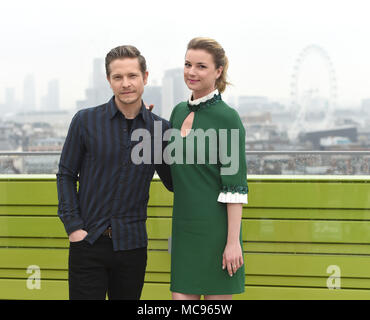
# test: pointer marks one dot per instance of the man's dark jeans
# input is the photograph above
(95, 270)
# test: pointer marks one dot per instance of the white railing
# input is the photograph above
(346, 162)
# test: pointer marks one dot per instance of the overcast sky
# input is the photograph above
(262, 38)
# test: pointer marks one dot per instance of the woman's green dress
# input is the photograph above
(199, 224)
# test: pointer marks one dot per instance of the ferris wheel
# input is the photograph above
(296, 104)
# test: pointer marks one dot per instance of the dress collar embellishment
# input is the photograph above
(201, 103)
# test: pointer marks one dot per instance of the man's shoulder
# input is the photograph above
(100, 109)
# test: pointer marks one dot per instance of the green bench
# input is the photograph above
(299, 232)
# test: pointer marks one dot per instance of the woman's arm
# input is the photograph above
(233, 255)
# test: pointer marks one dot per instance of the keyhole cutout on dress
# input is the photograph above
(187, 124)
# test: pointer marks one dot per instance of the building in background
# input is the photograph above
(174, 90)
(153, 95)
(11, 104)
(99, 91)
(29, 94)
(247, 104)
(365, 106)
(50, 102)
(323, 139)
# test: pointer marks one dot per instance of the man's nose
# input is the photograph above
(125, 82)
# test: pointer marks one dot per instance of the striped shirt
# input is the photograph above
(112, 189)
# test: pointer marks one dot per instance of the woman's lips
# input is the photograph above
(193, 81)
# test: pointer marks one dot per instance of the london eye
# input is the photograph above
(297, 105)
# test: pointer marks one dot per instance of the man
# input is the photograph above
(105, 219)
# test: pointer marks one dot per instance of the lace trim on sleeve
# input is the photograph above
(230, 197)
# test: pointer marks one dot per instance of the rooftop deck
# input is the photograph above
(303, 236)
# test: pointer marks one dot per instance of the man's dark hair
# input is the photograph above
(122, 52)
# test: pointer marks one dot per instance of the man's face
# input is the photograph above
(126, 80)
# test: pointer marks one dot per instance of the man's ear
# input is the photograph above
(146, 74)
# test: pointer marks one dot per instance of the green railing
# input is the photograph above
(303, 236)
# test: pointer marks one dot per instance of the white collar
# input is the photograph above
(203, 99)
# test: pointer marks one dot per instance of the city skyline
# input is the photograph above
(262, 40)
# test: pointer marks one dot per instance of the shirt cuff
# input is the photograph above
(229, 197)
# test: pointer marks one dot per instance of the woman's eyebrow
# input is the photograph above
(196, 62)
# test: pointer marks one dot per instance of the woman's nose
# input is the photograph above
(192, 71)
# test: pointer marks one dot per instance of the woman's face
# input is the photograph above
(200, 73)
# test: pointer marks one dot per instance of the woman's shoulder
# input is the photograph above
(178, 108)
(181, 105)
(229, 115)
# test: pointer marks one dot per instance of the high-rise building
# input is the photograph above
(99, 79)
(153, 95)
(11, 104)
(50, 101)
(365, 106)
(29, 94)
(174, 90)
(99, 91)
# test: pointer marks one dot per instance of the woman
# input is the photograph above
(207, 251)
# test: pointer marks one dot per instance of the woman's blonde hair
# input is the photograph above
(219, 57)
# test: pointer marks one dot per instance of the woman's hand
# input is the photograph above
(150, 107)
(232, 258)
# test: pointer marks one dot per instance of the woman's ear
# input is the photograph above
(219, 72)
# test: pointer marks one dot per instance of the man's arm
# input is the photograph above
(67, 177)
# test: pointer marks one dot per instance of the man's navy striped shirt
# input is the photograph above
(113, 191)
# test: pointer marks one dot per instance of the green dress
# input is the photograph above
(199, 224)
